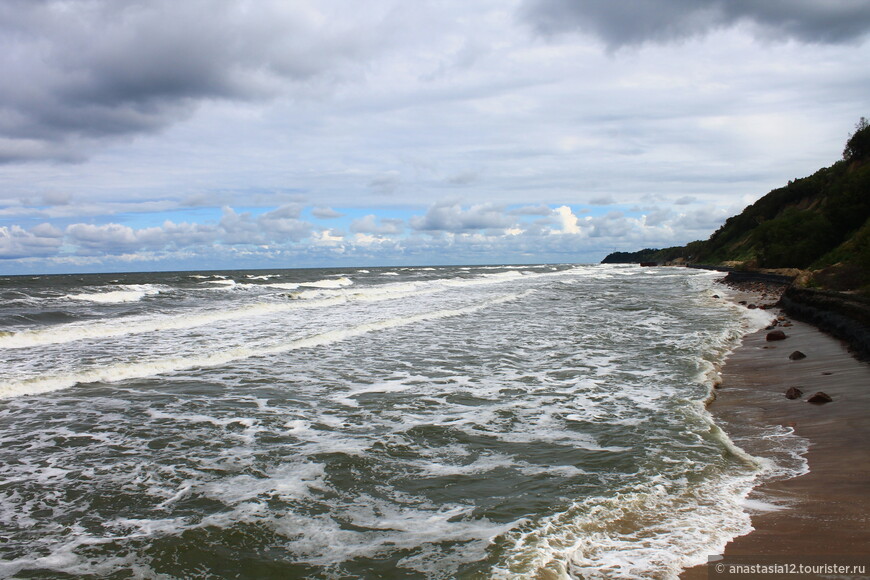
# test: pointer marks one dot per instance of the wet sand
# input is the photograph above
(825, 512)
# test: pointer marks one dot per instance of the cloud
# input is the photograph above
(570, 223)
(86, 71)
(705, 219)
(452, 217)
(386, 184)
(542, 210)
(632, 22)
(108, 237)
(277, 226)
(463, 178)
(326, 213)
(56, 198)
(39, 241)
(447, 233)
(115, 239)
(602, 200)
(370, 225)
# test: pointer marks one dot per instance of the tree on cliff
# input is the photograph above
(858, 145)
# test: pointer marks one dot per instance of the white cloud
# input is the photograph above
(331, 238)
(16, 242)
(104, 237)
(570, 223)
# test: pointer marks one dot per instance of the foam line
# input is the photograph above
(308, 299)
(126, 371)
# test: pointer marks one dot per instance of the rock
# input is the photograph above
(775, 335)
(771, 327)
(786, 323)
(715, 296)
(793, 393)
(797, 355)
(752, 307)
(820, 398)
(742, 303)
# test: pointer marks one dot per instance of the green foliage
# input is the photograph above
(847, 267)
(794, 240)
(645, 255)
(858, 145)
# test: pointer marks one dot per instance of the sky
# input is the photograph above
(145, 135)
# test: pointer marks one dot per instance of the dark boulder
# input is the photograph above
(797, 355)
(793, 393)
(820, 398)
(775, 335)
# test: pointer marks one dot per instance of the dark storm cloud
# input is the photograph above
(630, 22)
(78, 71)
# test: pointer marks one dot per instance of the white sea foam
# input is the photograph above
(128, 293)
(219, 284)
(109, 329)
(131, 370)
(547, 383)
(283, 286)
(655, 531)
(329, 283)
(307, 299)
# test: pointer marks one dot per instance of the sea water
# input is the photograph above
(454, 422)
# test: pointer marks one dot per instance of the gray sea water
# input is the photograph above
(453, 422)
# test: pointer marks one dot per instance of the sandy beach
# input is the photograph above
(824, 512)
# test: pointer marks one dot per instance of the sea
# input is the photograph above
(535, 421)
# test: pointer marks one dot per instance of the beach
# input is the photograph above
(823, 513)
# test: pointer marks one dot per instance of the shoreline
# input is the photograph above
(826, 511)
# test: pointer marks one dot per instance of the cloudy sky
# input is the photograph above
(156, 134)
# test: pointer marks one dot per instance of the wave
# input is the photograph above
(329, 283)
(320, 297)
(126, 371)
(101, 330)
(283, 286)
(128, 293)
